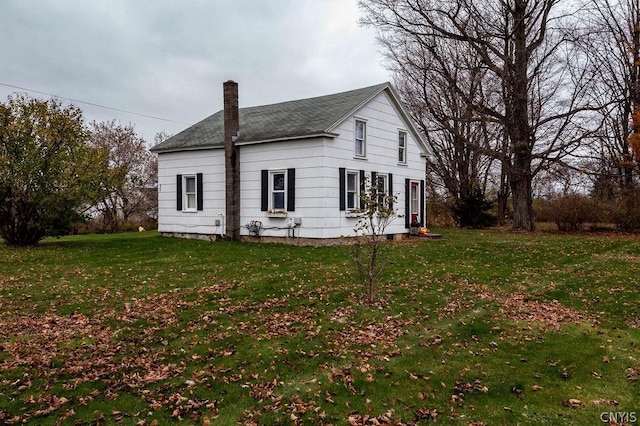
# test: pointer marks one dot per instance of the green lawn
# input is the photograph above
(482, 327)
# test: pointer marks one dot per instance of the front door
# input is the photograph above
(414, 202)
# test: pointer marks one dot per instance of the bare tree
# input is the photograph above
(612, 39)
(131, 174)
(424, 71)
(525, 50)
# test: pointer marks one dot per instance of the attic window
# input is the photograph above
(360, 138)
(402, 147)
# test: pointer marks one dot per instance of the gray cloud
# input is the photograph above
(168, 58)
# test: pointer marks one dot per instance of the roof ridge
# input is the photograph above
(312, 98)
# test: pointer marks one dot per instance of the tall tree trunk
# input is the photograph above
(518, 125)
(522, 204)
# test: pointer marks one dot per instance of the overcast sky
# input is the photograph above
(169, 58)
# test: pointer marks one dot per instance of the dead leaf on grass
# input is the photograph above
(572, 402)
(601, 401)
(514, 306)
(426, 414)
(633, 373)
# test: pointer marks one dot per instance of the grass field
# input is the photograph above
(482, 327)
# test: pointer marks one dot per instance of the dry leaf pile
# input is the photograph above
(514, 306)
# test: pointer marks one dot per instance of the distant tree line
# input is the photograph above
(517, 96)
(57, 173)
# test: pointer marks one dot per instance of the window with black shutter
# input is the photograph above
(278, 190)
(189, 192)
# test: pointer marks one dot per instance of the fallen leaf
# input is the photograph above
(572, 402)
(426, 414)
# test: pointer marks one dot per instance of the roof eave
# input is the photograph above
(183, 149)
(290, 138)
(251, 142)
(407, 117)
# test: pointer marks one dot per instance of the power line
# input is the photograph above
(93, 104)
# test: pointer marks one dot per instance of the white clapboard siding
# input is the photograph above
(383, 125)
(316, 162)
(208, 162)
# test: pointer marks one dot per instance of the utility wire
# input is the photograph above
(93, 104)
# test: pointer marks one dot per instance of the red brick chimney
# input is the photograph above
(232, 159)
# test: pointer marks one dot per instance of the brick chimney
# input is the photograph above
(231, 159)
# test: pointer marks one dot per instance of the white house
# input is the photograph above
(302, 166)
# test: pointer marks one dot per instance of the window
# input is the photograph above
(353, 189)
(361, 138)
(351, 184)
(402, 147)
(278, 190)
(189, 192)
(383, 187)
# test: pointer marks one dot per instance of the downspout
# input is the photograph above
(223, 227)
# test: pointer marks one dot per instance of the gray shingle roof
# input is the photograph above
(286, 120)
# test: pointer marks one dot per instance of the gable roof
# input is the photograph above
(298, 119)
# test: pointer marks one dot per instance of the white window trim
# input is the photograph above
(385, 179)
(277, 212)
(364, 139)
(385, 187)
(403, 148)
(185, 194)
(356, 202)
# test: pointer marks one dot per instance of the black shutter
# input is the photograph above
(362, 189)
(264, 191)
(407, 203)
(390, 191)
(291, 190)
(342, 192)
(179, 192)
(422, 218)
(199, 198)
